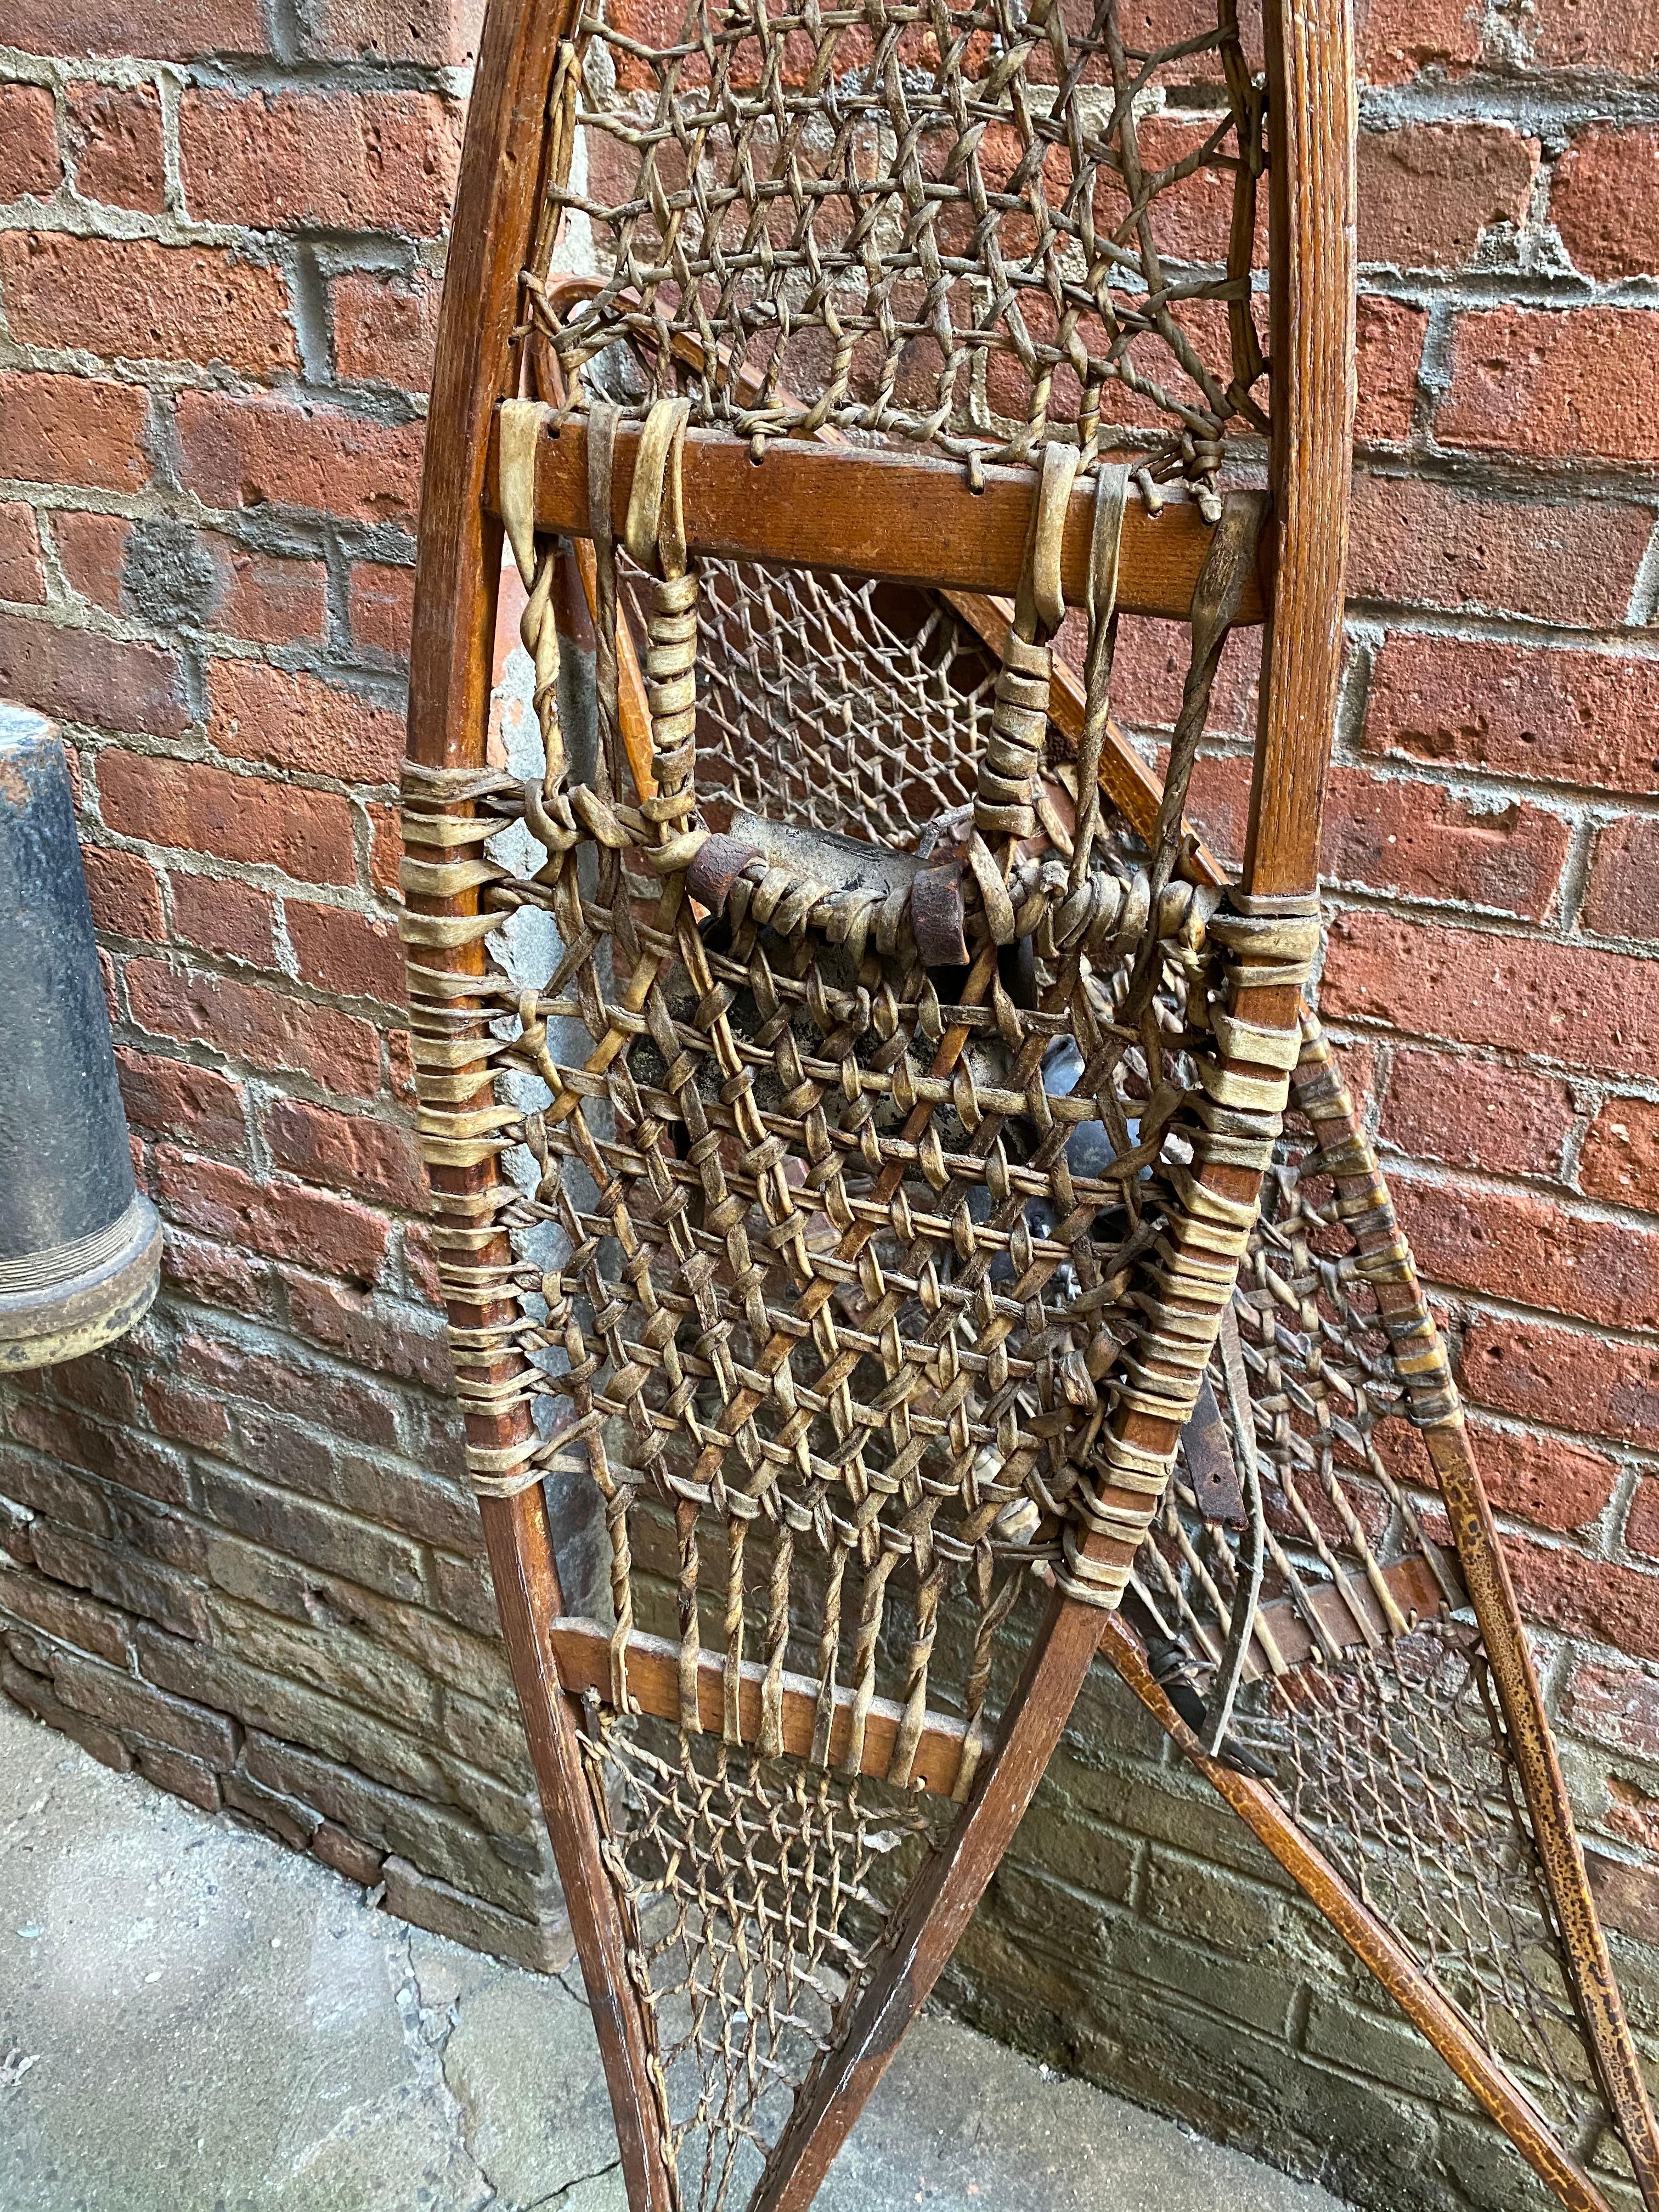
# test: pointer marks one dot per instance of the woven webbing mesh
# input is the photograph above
(973, 227)
(756, 1895)
(1383, 1729)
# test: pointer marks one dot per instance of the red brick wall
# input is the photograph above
(246, 1562)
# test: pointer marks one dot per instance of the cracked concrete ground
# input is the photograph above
(191, 2019)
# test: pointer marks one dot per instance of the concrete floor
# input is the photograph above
(192, 2020)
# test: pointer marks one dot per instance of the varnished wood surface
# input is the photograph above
(582, 1649)
(909, 518)
(1311, 124)
(1446, 2028)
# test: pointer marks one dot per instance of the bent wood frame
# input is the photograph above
(1311, 110)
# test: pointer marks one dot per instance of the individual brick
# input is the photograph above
(443, 33)
(65, 1615)
(357, 1862)
(29, 164)
(122, 1701)
(1622, 899)
(1389, 348)
(373, 1333)
(1565, 1377)
(1419, 841)
(1580, 385)
(382, 609)
(285, 1220)
(1397, 40)
(542, 1947)
(119, 28)
(199, 809)
(1583, 1007)
(1543, 1479)
(266, 1028)
(1547, 712)
(187, 1415)
(1474, 1113)
(297, 723)
(1621, 36)
(176, 1772)
(114, 138)
(271, 599)
(35, 1694)
(22, 576)
(124, 896)
(292, 1823)
(212, 1274)
(329, 160)
(351, 955)
(134, 300)
(386, 328)
(138, 1587)
(73, 430)
(1428, 192)
(1641, 1528)
(228, 918)
(1615, 1705)
(93, 549)
(1618, 1606)
(1568, 562)
(361, 1153)
(81, 675)
(1619, 1160)
(255, 451)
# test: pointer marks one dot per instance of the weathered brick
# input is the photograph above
(175, 1099)
(1632, 1813)
(190, 1417)
(266, 1028)
(1616, 1705)
(93, 551)
(328, 161)
(443, 33)
(1567, 1377)
(1396, 39)
(362, 1154)
(330, 1659)
(1473, 1114)
(1578, 385)
(114, 138)
(1543, 1478)
(78, 676)
(125, 897)
(1620, 35)
(120, 27)
(286, 1220)
(1427, 544)
(35, 1694)
(121, 1455)
(373, 1331)
(201, 809)
(353, 955)
(1622, 899)
(1423, 841)
(64, 1614)
(1388, 346)
(73, 430)
(358, 1862)
(543, 1948)
(1619, 1160)
(28, 143)
(1641, 1528)
(385, 850)
(254, 453)
(1518, 1245)
(292, 1823)
(284, 1381)
(386, 329)
(313, 1533)
(21, 577)
(1618, 1606)
(1565, 716)
(295, 722)
(273, 600)
(1626, 1896)
(382, 607)
(175, 1771)
(386, 1491)
(122, 1701)
(1428, 192)
(212, 1273)
(121, 1578)
(463, 1590)
(27, 1479)
(97, 1382)
(228, 918)
(134, 300)
(1570, 1003)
